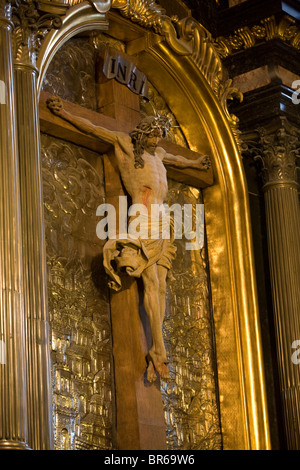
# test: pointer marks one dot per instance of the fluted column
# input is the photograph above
(34, 255)
(13, 420)
(279, 153)
(35, 279)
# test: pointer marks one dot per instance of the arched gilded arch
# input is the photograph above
(187, 73)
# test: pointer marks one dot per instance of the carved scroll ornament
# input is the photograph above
(33, 20)
(188, 38)
(244, 38)
(31, 27)
(276, 153)
(279, 155)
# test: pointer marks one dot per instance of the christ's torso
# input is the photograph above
(147, 185)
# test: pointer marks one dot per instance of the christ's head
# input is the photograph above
(147, 135)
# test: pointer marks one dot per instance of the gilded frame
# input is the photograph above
(198, 109)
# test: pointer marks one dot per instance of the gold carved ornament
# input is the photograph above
(31, 25)
(186, 37)
(277, 154)
(268, 29)
(33, 21)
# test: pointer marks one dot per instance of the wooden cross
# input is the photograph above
(57, 127)
(140, 418)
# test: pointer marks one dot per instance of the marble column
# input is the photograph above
(13, 410)
(279, 152)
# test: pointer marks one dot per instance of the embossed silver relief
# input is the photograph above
(190, 398)
(71, 74)
(78, 298)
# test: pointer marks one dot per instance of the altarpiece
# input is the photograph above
(78, 373)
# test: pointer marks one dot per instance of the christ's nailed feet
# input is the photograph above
(151, 375)
(161, 369)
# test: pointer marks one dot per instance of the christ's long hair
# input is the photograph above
(142, 130)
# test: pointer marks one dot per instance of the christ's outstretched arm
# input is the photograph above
(201, 163)
(84, 125)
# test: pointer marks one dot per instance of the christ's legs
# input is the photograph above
(162, 281)
(154, 303)
(162, 368)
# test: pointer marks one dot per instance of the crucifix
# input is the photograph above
(135, 160)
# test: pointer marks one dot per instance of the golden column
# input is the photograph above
(29, 23)
(279, 151)
(13, 420)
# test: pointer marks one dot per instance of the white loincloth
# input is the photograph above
(134, 254)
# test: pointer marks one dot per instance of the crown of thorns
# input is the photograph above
(151, 123)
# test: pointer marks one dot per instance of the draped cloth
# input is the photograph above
(133, 254)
